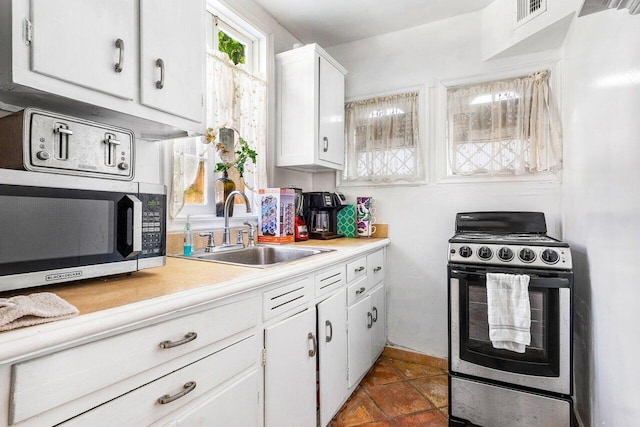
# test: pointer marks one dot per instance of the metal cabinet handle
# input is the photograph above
(315, 344)
(378, 268)
(187, 338)
(160, 83)
(359, 269)
(187, 388)
(326, 144)
(329, 337)
(375, 311)
(370, 324)
(120, 64)
(361, 290)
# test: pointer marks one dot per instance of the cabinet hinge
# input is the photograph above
(28, 32)
(264, 357)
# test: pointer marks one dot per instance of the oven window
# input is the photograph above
(541, 356)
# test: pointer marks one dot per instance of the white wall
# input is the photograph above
(601, 205)
(421, 218)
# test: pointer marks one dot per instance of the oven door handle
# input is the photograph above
(534, 282)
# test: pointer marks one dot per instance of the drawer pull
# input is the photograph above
(315, 344)
(359, 269)
(361, 290)
(187, 388)
(378, 268)
(329, 337)
(375, 311)
(187, 338)
(370, 324)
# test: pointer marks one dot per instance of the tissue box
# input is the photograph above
(276, 219)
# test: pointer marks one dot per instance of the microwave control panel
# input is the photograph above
(153, 225)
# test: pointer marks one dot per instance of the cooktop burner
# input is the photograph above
(516, 239)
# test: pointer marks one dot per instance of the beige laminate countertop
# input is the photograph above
(121, 301)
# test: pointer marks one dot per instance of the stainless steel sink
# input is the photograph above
(260, 255)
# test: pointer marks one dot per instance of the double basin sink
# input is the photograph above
(259, 256)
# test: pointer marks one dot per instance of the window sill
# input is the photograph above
(418, 183)
(542, 178)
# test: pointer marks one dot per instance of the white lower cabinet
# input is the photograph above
(366, 332)
(332, 353)
(290, 371)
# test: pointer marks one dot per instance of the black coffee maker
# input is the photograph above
(320, 209)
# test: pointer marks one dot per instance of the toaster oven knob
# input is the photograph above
(123, 166)
(465, 252)
(43, 155)
(505, 254)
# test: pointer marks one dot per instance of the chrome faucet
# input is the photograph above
(226, 236)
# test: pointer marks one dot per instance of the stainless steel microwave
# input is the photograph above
(57, 228)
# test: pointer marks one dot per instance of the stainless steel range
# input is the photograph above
(493, 386)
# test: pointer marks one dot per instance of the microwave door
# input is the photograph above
(51, 235)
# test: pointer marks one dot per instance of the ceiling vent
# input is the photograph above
(526, 10)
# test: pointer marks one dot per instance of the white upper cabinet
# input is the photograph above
(172, 56)
(310, 110)
(93, 46)
(135, 64)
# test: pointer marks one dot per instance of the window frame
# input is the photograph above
(440, 160)
(259, 47)
(424, 119)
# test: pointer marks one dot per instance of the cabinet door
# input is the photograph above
(75, 41)
(172, 53)
(332, 349)
(378, 330)
(331, 114)
(290, 371)
(359, 339)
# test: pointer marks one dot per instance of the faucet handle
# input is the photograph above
(240, 239)
(210, 242)
(252, 231)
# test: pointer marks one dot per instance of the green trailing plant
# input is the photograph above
(242, 154)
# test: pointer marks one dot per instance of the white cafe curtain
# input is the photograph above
(235, 99)
(511, 125)
(382, 139)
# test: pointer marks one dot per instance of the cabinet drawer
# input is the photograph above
(356, 269)
(375, 267)
(357, 290)
(286, 297)
(142, 406)
(42, 384)
(330, 280)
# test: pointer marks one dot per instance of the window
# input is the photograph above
(503, 127)
(382, 140)
(236, 107)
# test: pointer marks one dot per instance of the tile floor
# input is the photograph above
(398, 393)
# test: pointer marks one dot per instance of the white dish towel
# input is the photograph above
(509, 311)
(34, 309)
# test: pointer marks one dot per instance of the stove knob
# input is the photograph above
(527, 255)
(505, 254)
(485, 253)
(465, 252)
(550, 256)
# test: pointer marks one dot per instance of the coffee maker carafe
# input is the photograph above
(321, 214)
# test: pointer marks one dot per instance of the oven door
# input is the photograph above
(54, 234)
(546, 362)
